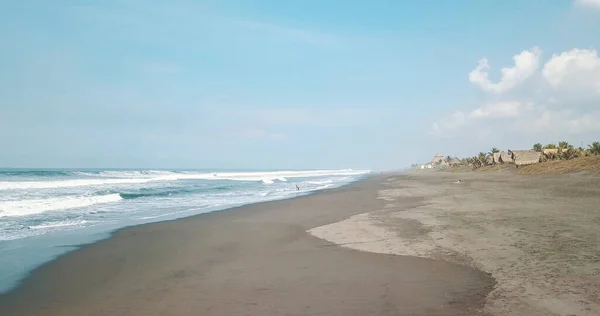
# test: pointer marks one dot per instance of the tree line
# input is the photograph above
(562, 151)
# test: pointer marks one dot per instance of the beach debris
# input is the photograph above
(457, 182)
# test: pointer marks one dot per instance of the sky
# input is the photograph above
(313, 84)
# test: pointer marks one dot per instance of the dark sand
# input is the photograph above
(252, 260)
(537, 236)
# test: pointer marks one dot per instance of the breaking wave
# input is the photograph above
(136, 177)
(31, 207)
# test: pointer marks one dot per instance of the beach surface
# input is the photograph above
(255, 260)
(537, 236)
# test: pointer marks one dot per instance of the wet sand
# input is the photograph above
(538, 236)
(252, 260)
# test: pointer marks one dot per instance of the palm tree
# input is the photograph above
(564, 145)
(550, 146)
(569, 153)
(476, 162)
(594, 148)
(493, 151)
(483, 158)
(581, 152)
(537, 147)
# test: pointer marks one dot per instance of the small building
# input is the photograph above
(496, 157)
(504, 157)
(525, 157)
(438, 159)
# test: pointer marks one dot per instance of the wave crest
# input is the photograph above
(32, 207)
(123, 177)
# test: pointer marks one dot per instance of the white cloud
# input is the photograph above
(526, 63)
(577, 70)
(591, 3)
(458, 119)
(547, 120)
(584, 123)
(506, 109)
(566, 101)
(565, 121)
(522, 118)
(479, 117)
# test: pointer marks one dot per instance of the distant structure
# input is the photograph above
(525, 157)
(550, 151)
(438, 159)
(455, 162)
(496, 157)
(505, 158)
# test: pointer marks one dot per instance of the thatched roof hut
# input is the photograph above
(525, 157)
(455, 162)
(496, 157)
(437, 158)
(505, 157)
(550, 151)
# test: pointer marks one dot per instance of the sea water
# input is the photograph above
(45, 213)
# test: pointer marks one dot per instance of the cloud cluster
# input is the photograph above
(526, 63)
(577, 70)
(562, 93)
(590, 3)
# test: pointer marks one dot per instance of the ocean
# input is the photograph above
(46, 213)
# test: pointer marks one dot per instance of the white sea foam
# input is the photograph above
(31, 207)
(320, 182)
(267, 181)
(59, 224)
(124, 177)
(65, 183)
(323, 187)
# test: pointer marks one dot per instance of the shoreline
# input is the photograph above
(110, 233)
(267, 241)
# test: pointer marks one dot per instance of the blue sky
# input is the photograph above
(291, 84)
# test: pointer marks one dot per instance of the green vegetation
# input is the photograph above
(594, 148)
(562, 151)
(548, 153)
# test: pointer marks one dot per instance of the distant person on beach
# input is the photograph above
(297, 188)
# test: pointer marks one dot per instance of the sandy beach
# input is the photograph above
(253, 260)
(537, 236)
